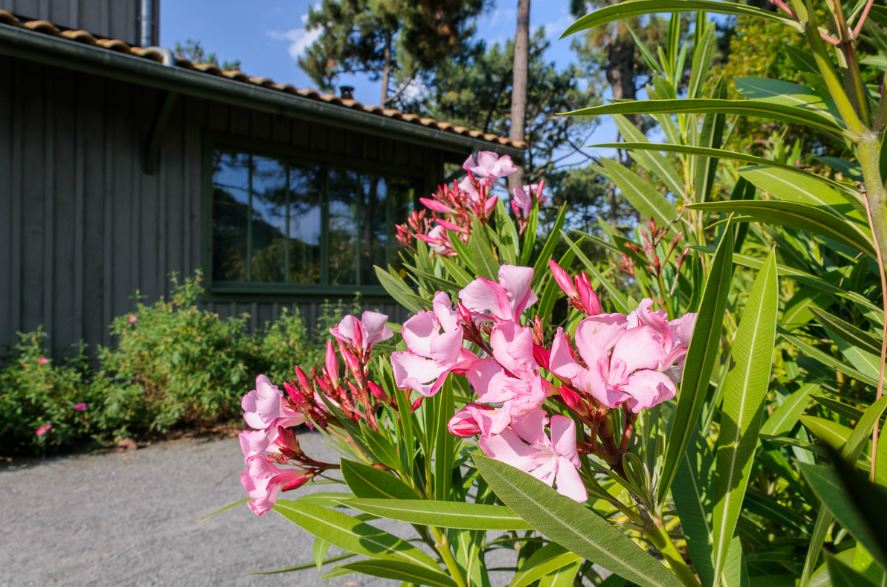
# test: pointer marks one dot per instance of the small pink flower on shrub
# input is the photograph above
(42, 360)
(80, 407)
(132, 319)
(43, 429)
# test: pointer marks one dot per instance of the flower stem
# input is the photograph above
(443, 548)
(660, 538)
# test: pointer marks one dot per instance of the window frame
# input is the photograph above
(293, 155)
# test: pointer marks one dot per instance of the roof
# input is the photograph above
(163, 56)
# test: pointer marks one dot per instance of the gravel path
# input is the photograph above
(134, 519)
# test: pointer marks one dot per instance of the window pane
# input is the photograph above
(345, 191)
(305, 224)
(230, 213)
(387, 202)
(268, 220)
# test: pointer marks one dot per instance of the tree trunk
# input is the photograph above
(519, 85)
(621, 69)
(386, 69)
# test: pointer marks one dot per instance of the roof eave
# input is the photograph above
(67, 54)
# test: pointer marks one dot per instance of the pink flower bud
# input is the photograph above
(562, 279)
(377, 391)
(332, 363)
(435, 206)
(80, 407)
(133, 319)
(43, 429)
(587, 297)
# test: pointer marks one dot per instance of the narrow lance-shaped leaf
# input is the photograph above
(351, 534)
(701, 355)
(796, 215)
(572, 525)
(745, 389)
(396, 570)
(640, 193)
(633, 8)
(752, 108)
(443, 514)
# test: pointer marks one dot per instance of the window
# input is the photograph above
(277, 222)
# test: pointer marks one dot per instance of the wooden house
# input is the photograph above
(120, 164)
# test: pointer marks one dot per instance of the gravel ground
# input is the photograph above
(133, 518)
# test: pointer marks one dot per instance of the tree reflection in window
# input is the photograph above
(276, 222)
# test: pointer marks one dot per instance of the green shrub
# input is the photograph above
(174, 363)
(35, 391)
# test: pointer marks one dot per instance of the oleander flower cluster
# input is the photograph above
(273, 458)
(529, 395)
(451, 211)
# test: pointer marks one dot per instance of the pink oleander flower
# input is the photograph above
(633, 359)
(502, 301)
(524, 197)
(79, 407)
(263, 480)
(525, 446)
(264, 408)
(43, 429)
(362, 334)
(579, 291)
(512, 398)
(489, 165)
(434, 348)
(42, 360)
(133, 319)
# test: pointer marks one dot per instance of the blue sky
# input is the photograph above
(268, 35)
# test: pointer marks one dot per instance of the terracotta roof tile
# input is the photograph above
(154, 54)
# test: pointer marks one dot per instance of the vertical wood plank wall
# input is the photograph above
(116, 19)
(82, 227)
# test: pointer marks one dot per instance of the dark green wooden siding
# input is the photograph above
(82, 225)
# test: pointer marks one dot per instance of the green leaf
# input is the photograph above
(847, 331)
(691, 492)
(351, 534)
(547, 559)
(540, 267)
(304, 566)
(700, 359)
(367, 481)
(745, 389)
(651, 161)
(845, 576)
(444, 442)
(398, 289)
(795, 215)
(854, 502)
(833, 434)
(443, 514)
(640, 193)
(804, 188)
(782, 92)
(396, 570)
(633, 8)
(482, 251)
(848, 190)
(787, 114)
(827, 359)
(572, 525)
(784, 418)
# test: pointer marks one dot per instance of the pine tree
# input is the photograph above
(386, 39)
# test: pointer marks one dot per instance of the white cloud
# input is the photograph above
(556, 27)
(299, 38)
